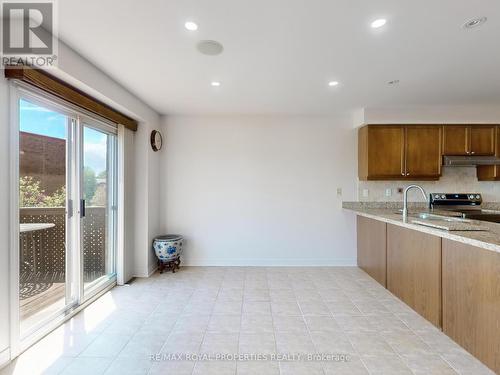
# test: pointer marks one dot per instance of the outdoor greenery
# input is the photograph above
(32, 195)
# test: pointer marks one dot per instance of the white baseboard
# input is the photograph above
(210, 262)
(4, 357)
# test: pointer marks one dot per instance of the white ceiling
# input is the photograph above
(280, 54)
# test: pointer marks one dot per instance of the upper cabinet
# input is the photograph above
(469, 140)
(491, 172)
(396, 152)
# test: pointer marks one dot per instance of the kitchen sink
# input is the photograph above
(428, 216)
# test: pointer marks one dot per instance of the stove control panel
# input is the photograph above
(463, 199)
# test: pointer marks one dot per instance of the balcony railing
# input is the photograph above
(43, 252)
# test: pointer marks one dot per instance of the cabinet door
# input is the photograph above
(482, 140)
(414, 270)
(455, 140)
(423, 152)
(471, 300)
(372, 248)
(385, 152)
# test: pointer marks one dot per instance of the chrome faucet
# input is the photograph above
(405, 199)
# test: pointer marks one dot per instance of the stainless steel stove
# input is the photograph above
(468, 205)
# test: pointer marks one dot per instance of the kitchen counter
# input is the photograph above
(385, 212)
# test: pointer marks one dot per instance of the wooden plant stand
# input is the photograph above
(172, 264)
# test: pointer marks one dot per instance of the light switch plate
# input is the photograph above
(388, 192)
(339, 192)
(366, 192)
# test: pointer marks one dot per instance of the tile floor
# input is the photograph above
(252, 311)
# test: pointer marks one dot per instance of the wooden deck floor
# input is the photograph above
(42, 300)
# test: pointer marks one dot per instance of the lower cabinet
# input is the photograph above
(471, 300)
(372, 248)
(414, 270)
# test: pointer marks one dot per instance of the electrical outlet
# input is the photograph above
(339, 192)
(388, 192)
(366, 192)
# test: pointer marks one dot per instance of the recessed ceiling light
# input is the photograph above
(191, 26)
(215, 83)
(378, 23)
(333, 83)
(475, 22)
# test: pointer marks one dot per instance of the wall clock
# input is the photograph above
(156, 140)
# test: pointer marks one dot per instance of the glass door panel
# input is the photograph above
(97, 207)
(44, 175)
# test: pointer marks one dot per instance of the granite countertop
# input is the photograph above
(386, 212)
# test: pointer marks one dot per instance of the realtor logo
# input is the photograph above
(28, 36)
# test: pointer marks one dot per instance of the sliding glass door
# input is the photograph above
(45, 155)
(67, 209)
(98, 206)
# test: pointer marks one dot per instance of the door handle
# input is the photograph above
(82, 207)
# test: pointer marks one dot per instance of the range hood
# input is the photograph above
(463, 161)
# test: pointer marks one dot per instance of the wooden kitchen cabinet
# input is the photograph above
(397, 152)
(423, 151)
(381, 152)
(414, 270)
(372, 248)
(491, 172)
(471, 300)
(466, 140)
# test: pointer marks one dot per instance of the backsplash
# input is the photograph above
(453, 180)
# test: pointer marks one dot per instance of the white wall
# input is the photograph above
(255, 190)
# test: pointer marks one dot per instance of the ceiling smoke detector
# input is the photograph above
(210, 47)
(475, 22)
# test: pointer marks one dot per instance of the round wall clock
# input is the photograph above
(156, 140)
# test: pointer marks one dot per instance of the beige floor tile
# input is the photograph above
(466, 364)
(258, 368)
(215, 368)
(285, 308)
(106, 345)
(216, 343)
(369, 343)
(172, 368)
(314, 308)
(85, 366)
(385, 365)
(285, 323)
(255, 323)
(257, 343)
(227, 307)
(427, 364)
(322, 323)
(143, 346)
(224, 323)
(282, 295)
(182, 342)
(129, 366)
(256, 307)
(347, 365)
(292, 342)
(250, 295)
(301, 368)
(335, 342)
(355, 323)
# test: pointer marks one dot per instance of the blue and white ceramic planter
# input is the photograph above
(168, 247)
